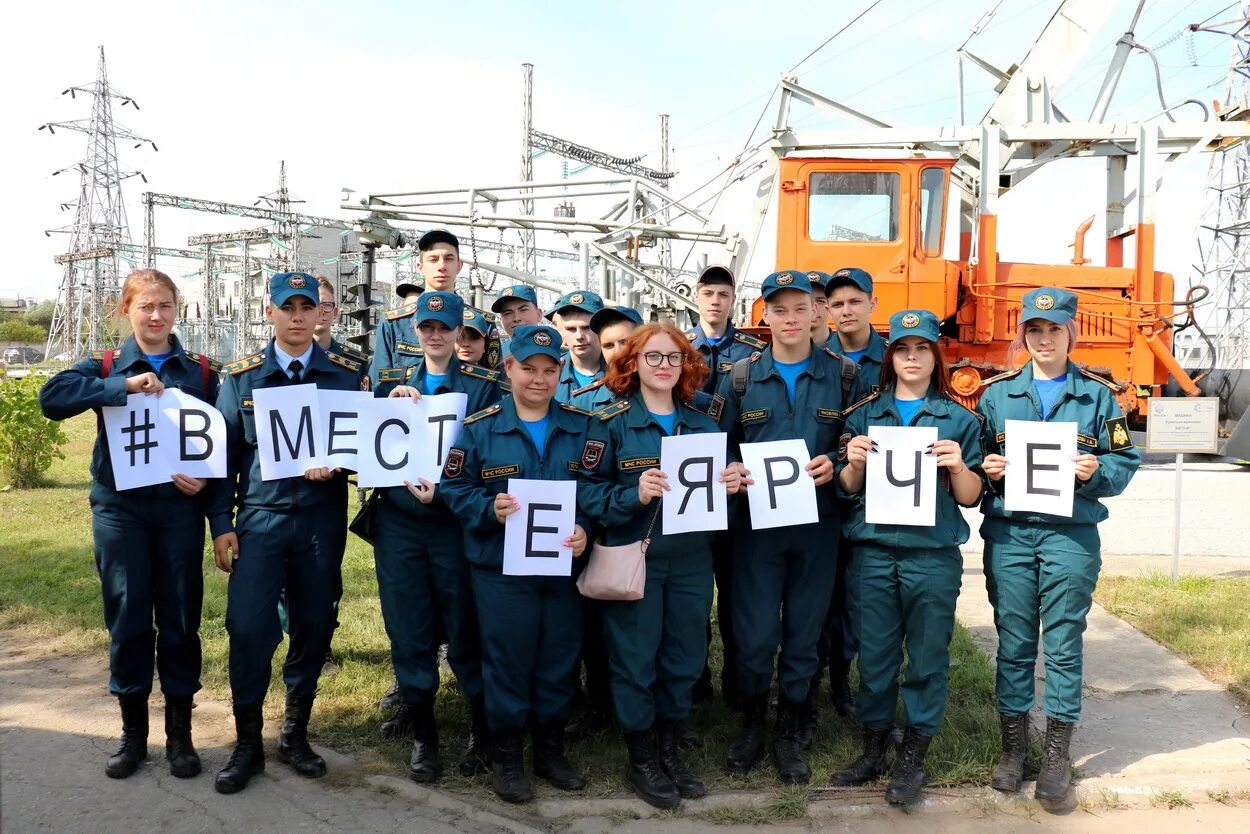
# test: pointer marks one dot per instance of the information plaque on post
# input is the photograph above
(1182, 426)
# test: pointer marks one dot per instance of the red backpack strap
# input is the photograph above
(206, 373)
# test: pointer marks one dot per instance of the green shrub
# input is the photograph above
(29, 442)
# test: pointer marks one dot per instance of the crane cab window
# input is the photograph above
(847, 205)
(932, 206)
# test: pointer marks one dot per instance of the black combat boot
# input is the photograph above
(646, 776)
(840, 691)
(1054, 781)
(293, 746)
(134, 747)
(747, 751)
(184, 762)
(550, 763)
(392, 698)
(401, 723)
(508, 767)
(424, 765)
(907, 778)
(809, 719)
(788, 755)
(476, 758)
(870, 765)
(248, 758)
(688, 785)
(1009, 772)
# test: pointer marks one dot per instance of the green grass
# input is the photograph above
(49, 588)
(1203, 619)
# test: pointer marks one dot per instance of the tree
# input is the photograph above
(28, 441)
(41, 314)
(17, 330)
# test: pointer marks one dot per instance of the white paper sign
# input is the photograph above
(288, 422)
(153, 437)
(533, 537)
(900, 481)
(199, 435)
(697, 499)
(783, 494)
(342, 421)
(1041, 474)
(441, 417)
(388, 451)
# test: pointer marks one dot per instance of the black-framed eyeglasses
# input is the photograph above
(655, 359)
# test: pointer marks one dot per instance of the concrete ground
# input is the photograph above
(1153, 730)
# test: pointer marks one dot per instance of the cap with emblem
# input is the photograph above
(434, 236)
(445, 307)
(608, 315)
(522, 292)
(787, 279)
(818, 279)
(920, 323)
(584, 300)
(475, 320)
(284, 285)
(715, 274)
(408, 286)
(849, 276)
(532, 339)
(1050, 303)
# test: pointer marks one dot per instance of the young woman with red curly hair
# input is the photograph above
(656, 645)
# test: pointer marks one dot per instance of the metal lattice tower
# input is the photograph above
(91, 281)
(1224, 233)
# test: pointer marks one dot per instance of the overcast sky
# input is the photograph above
(387, 96)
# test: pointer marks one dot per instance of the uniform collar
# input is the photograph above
(421, 369)
(508, 420)
(132, 353)
(566, 370)
(271, 365)
(933, 404)
(875, 350)
(1021, 385)
(766, 364)
(700, 338)
(639, 416)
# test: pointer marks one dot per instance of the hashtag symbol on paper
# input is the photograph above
(134, 447)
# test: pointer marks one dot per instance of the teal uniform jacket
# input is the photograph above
(569, 383)
(80, 387)
(479, 384)
(731, 347)
(349, 350)
(623, 441)
(1087, 400)
(870, 362)
(243, 485)
(953, 422)
(395, 344)
(764, 412)
(494, 447)
(593, 397)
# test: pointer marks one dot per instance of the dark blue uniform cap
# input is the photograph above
(716, 274)
(474, 319)
(608, 315)
(434, 236)
(787, 279)
(849, 276)
(1050, 303)
(411, 285)
(284, 285)
(584, 300)
(446, 307)
(818, 279)
(522, 291)
(920, 323)
(532, 339)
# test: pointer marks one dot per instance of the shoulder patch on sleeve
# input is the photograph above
(1001, 377)
(483, 414)
(342, 361)
(246, 363)
(716, 408)
(575, 409)
(454, 464)
(1110, 383)
(392, 374)
(598, 383)
(1118, 438)
(401, 312)
(749, 340)
(609, 411)
(478, 372)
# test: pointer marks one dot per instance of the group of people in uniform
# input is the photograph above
(587, 392)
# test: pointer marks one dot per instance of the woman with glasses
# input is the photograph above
(656, 645)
